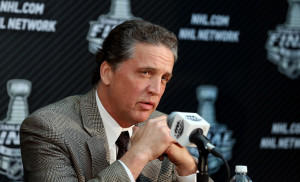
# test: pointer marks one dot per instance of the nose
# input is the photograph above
(155, 87)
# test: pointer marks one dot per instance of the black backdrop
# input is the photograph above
(253, 94)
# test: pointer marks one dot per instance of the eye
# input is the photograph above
(146, 72)
(165, 78)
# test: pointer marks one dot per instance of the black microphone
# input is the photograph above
(189, 129)
(198, 138)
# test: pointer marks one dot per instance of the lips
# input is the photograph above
(147, 105)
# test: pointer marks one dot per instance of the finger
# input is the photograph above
(134, 130)
(172, 147)
(161, 158)
(160, 121)
(160, 118)
(174, 141)
(178, 144)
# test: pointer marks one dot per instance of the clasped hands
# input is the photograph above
(152, 141)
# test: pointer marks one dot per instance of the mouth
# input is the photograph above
(147, 105)
(150, 103)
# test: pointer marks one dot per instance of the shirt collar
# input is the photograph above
(112, 128)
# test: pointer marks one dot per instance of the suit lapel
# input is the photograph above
(92, 123)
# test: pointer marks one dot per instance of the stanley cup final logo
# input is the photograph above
(10, 153)
(283, 44)
(218, 133)
(120, 11)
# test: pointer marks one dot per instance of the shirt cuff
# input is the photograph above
(189, 178)
(128, 172)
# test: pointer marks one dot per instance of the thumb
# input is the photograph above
(134, 130)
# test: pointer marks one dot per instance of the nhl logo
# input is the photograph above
(10, 153)
(283, 44)
(179, 129)
(218, 133)
(120, 11)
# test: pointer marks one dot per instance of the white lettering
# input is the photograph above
(14, 24)
(268, 143)
(12, 152)
(106, 30)
(214, 20)
(273, 38)
(279, 128)
(283, 143)
(199, 19)
(203, 35)
(289, 143)
(227, 36)
(9, 7)
(282, 41)
(33, 8)
(209, 35)
(2, 25)
(12, 127)
(95, 29)
(292, 41)
(26, 8)
(219, 20)
(2, 137)
(31, 25)
(218, 35)
(295, 128)
(187, 34)
(12, 138)
(283, 128)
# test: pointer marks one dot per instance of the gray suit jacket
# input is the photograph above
(66, 141)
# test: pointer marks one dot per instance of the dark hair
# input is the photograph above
(119, 44)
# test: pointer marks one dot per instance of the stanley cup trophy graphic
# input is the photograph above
(218, 133)
(293, 16)
(10, 154)
(283, 44)
(120, 11)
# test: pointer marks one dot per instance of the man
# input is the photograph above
(74, 139)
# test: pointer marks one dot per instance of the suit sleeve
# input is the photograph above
(114, 172)
(46, 156)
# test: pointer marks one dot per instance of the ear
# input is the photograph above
(105, 73)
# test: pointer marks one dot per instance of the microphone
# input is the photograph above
(189, 129)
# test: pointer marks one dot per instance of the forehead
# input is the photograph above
(158, 55)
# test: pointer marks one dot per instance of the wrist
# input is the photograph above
(135, 162)
(186, 168)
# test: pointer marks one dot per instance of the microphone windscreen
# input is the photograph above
(170, 119)
(182, 124)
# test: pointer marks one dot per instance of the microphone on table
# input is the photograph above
(189, 129)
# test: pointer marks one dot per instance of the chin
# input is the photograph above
(142, 117)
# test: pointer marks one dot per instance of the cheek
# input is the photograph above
(163, 88)
(136, 90)
(162, 91)
(133, 91)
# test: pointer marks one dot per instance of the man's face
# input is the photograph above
(137, 84)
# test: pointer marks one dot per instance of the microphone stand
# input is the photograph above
(202, 142)
(202, 175)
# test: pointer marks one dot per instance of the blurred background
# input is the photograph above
(238, 67)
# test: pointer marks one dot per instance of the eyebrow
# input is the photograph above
(170, 75)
